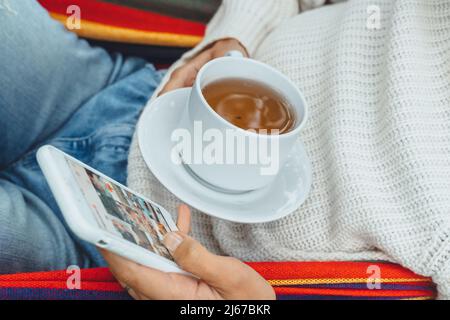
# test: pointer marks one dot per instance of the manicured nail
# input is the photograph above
(172, 241)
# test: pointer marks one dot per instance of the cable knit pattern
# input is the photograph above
(378, 134)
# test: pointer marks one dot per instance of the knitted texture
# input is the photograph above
(378, 134)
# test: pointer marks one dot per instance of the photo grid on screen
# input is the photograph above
(123, 213)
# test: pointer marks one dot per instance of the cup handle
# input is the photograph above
(234, 54)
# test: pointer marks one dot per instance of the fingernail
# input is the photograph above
(172, 241)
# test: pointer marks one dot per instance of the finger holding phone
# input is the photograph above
(218, 277)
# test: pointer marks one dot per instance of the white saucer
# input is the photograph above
(279, 199)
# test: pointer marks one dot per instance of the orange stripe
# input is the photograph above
(98, 31)
(288, 282)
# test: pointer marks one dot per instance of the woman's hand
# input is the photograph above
(185, 75)
(218, 277)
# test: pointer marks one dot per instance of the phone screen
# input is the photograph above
(120, 212)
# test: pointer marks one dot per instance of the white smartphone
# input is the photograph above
(107, 214)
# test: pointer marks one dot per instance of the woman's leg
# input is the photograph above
(99, 134)
(32, 238)
(46, 74)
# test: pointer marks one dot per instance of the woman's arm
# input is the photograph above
(247, 21)
(238, 25)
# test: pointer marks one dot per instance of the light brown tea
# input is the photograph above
(250, 104)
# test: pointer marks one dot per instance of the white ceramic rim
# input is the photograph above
(211, 63)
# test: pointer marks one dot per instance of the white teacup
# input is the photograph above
(256, 161)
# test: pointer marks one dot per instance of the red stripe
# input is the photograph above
(318, 270)
(97, 275)
(85, 285)
(102, 280)
(269, 270)
(354, 293)
(125, 17)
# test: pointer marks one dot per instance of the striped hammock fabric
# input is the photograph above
(291, 280)
(144, 22)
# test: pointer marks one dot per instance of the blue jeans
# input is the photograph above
(56, 89)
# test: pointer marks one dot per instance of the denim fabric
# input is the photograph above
(99, 134)
(56, 89)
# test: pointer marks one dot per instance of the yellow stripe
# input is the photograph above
(340, 280)
(98, 31)
(419, 298)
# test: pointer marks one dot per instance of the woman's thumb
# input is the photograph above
(232, 278)
(192, 257)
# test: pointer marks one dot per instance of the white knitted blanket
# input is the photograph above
(378, 135)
